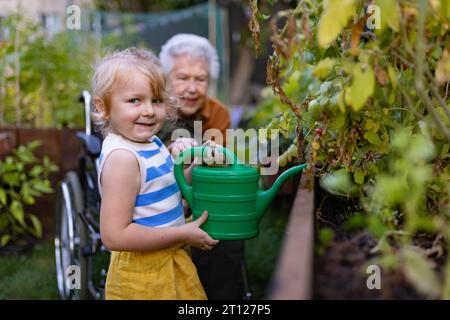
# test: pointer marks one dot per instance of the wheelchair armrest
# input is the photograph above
(92, 143)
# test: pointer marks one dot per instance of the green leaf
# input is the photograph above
(36, 171)
(338, 182)
(341, 101)
(420, 176)
(358, 176)
(392, 76)
(26, 193)
(34, 144)
(372, 125)
(17, 211)
(420, 273)
(390, 190)
(323, 68)
(333, 19)
(444, 151)
(263, 16)
(12, 178)
(362, 87)
(25, 155)
(42, 186)
(445, 8)
(326, 235)
(2, 196)
(437, 52)
(37, 225)
(401, 138)
(376, 226)
(4, 222)
(5, 239)
(338, 121)
(356, 221)
(421, 148)
(372, 137)
(390, 13)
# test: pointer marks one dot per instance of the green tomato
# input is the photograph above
(315, 110)
(331, 104)
(331, 108)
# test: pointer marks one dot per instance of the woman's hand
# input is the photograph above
(196, 237)
(181, 144)
(213, 155)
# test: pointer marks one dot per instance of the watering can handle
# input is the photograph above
(186, 189)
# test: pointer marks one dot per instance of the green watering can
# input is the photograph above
(230, 194)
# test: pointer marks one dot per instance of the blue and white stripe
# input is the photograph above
(158, 203)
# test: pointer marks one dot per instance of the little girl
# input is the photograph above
(141, 217)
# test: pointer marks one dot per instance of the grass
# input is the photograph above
(30, 276)
(262, 252)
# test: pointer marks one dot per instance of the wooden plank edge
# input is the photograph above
(293, 277)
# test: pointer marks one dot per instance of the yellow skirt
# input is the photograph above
(167, 274)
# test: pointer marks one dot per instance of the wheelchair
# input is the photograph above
(77, 215)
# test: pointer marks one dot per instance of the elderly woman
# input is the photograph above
(190, 61)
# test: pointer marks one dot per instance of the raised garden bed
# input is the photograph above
(309, 269)
(341, 266)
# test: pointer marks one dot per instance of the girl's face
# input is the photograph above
(134, 112)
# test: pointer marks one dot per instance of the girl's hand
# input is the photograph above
(186, 208)
(181, 144)
(196, 237)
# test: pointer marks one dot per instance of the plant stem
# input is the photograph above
(419, 60)
(409, 104)
(434, 89)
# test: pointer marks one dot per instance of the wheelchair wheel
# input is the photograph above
(70, 237)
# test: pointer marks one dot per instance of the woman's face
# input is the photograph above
(188, 80)
(135, 113)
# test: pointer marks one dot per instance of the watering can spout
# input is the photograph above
(265, 197)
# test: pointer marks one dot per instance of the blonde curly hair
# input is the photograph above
(113, 69)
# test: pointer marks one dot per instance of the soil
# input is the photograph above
(340, 269)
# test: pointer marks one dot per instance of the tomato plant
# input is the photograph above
(361, 87)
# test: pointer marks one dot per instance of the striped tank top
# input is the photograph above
(158, 203)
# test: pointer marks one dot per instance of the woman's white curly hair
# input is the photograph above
(192, 45)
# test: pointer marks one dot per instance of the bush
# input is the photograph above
(23, 178)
